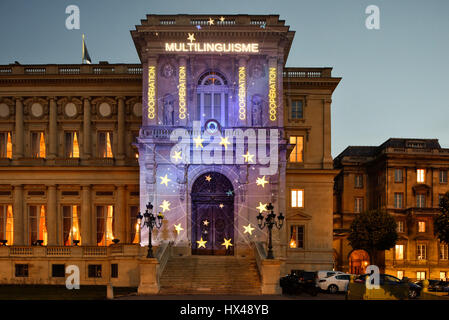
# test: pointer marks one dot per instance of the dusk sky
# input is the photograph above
(395, 80)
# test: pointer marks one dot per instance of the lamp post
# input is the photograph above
(151, 221)
(270, 221)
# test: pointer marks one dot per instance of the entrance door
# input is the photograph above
(212, 215)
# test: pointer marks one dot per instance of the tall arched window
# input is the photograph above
(212, 98)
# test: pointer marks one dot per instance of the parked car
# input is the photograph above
(322, 274)
(401, 288)
(435, 285)
(336, 283)
(300, 281)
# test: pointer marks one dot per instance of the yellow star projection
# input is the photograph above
(224, 142)
(248, 229)
(211, 21)
(165, 180)
(198, 142)
(222, 19)
(201, 243)
(227, 243)
(262, 207)
(208, 178)
(221, 205)
(165, 206)
(261, 181)
(248, 157)
(205, 222)
(177, 156)
(191, 37)
(178, 228)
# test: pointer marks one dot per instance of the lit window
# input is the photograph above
(421, 252)
(358, 183)
(400, 274)
(297, 198)
(399, 252)
(298, 150)
(398, 200)
(400, 226)
(72, 149)
(135, 228)
(397, 175)
(105, 215)
(443, 251)
(443, 176)
(296, 237)
(6, 224)
(358, 205)
(443, 275)
(212, 98)
(420, 275)
(421, 200)
(296, 109)
(37, 145)
(5, 145)
(105, 144)
(37, 224)
(420, 175)
(71, 224)
(421, 226)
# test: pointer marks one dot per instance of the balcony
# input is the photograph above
(70, 69)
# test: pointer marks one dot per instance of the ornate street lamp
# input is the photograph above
(150, 221)
(270, 221)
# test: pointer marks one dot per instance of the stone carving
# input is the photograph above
(167, 70)
(257, 71)
(168, 109)
(256, 110)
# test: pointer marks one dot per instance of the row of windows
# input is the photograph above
(421, 252)
(58, 270)
(71, 144)
(71, 226)
(398, 177)
(422, 275)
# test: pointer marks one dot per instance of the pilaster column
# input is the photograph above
(181, 113)
(87, 129)
(273, 93)
(53, 130)
(18, 152)
(327, 157)
(150, 94)
(121, 128)
(120, 216)
(86, 225)
(19, 234)
(52, 216)
(243, 110)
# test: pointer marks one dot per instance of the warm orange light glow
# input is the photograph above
(42, 226)
(108, 146)
(41, 145)
(75, 232)
(297, 152)
(297, 198)
(9, 225)
(136, 237)
(292, 243)
(420, 173)
(137, 155)
(109, 217)
(9, 147)
(76, 148)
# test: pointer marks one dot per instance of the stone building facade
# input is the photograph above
(405, 177)
(210, 128)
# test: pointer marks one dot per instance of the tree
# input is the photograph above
(373, 231)
(441, 223)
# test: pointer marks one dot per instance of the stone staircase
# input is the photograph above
(210, 275)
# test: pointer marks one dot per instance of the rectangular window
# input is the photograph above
(400, 226)
(443, 275)
(420, 275)
(297, 198)
(400, 274)
(421, 200)
(443, 251)
(6, 224)
(398, 200)
(443, 176)
(358, 205)
(37, 144)
(5, 145)
(398, 175)
(421, 226)
(105, 144)
(297, 237)
(58, 270)
(358, 181)
(296, 109)
(297, 154)
(135, 228)
(21, 270)
(37, 224)
(420, 175)
(114, 270)
(94, 270)
(399, 252)
(71, 225)
(72, 149)
(421, 252)
(105, 224)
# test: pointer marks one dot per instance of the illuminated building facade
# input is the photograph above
(407, 178)
(210, 128)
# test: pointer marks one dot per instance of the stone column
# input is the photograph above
(120, 215)
(153, 113)
(52, 216)
(53, 131)
(87, 129)
(121, 128)
(273, 97)
(180, 115)
(19, 234)
(18, 152)
(243, 110)
(327, 157)
(86, 227)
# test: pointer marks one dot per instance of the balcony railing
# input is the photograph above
(75, 69)
(307, 72)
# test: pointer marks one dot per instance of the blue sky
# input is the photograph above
(395, 80)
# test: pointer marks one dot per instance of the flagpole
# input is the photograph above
(82, 59)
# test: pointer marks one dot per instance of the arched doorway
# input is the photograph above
(212, 214)
(358, 261)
